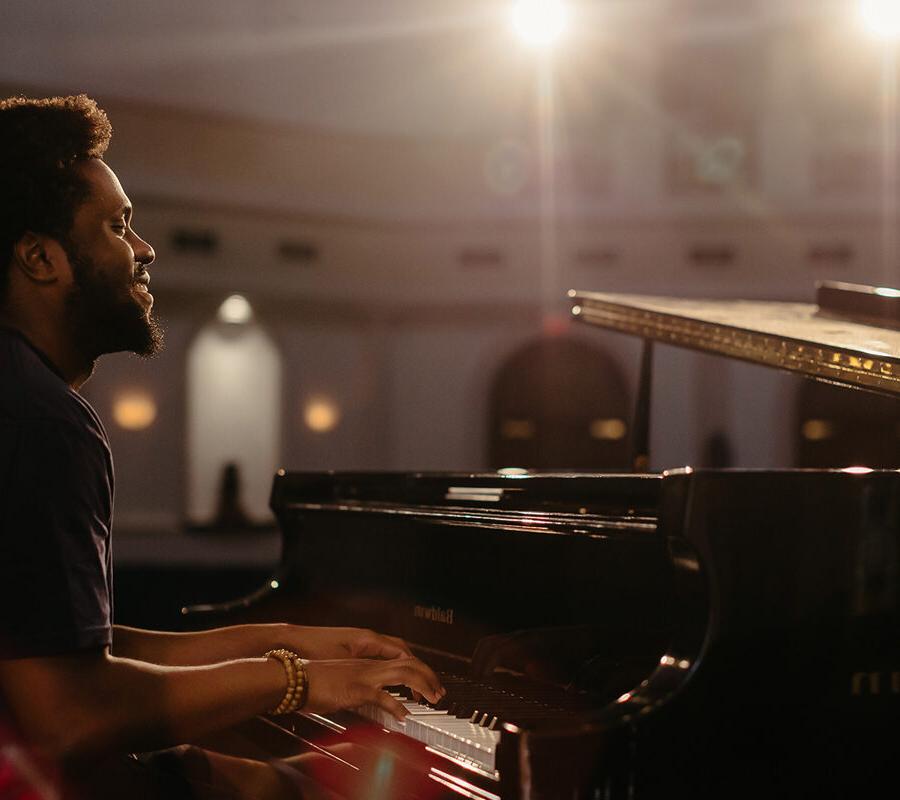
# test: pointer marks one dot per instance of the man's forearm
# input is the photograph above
(90, 704)
(195, 649)
(168, 705)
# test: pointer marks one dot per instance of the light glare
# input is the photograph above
(539, 22)
(881, 18)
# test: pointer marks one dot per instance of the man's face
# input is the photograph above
(109, 306)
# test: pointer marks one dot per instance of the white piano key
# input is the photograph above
(453, 735)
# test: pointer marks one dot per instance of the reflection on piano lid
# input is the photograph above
(799, 337)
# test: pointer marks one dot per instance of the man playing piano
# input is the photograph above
(82, 692)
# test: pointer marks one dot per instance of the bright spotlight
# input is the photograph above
(881, 18)
(540, 22)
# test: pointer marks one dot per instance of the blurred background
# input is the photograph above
(366, 216)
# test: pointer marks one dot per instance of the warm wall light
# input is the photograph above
(134, 411)
(540, 22)
(817, 430)
(321, 414)
(517, 429)
(608, 429)
(881, 18)
(235, 310)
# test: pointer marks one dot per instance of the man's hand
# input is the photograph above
(327, 643)
(351, 683)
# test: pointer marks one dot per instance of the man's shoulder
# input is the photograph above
(31, 393)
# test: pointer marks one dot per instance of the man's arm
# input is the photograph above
(241, 641)
(90, 704)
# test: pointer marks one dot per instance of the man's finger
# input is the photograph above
(392, 705)
(401, 644)
(416, 676)
(378, 646)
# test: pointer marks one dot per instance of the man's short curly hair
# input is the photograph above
(41, 144)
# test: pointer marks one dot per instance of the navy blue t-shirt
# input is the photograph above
(56, 500)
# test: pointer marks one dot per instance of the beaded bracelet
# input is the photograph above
(297, 681)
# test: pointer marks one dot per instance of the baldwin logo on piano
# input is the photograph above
(865, 684)
(434, 614)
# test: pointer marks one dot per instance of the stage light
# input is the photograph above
(540, 22)
(235, 310)
(134, 411)
(881, 18)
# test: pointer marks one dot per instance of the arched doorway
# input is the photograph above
(840, 427)
(233, 418)
(559, 403)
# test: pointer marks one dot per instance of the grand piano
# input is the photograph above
(694, 633)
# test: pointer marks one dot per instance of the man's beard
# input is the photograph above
(103, 319)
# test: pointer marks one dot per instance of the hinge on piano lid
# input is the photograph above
(480, 494)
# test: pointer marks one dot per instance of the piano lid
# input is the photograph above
(793, 336)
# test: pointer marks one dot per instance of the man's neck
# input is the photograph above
(73, 366)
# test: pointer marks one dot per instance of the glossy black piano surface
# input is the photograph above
(707, 634)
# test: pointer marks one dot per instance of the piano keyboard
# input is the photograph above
(471, 739)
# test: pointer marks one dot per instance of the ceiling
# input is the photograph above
(419, 68)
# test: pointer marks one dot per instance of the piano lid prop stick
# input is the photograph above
(640, 429)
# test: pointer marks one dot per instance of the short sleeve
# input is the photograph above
(55, 517)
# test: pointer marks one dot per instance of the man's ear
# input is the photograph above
(39, 257)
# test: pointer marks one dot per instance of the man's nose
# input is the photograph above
(143, 252)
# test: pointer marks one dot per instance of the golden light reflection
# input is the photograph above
(134, 410)
(321, 414)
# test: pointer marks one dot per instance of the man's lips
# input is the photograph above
(141, 289)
